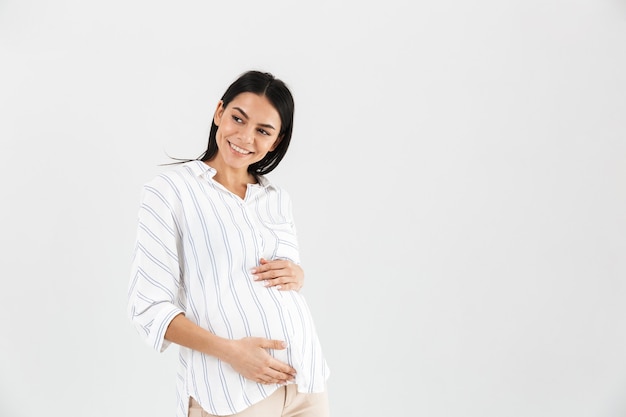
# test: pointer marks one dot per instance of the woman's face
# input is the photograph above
(247, 130)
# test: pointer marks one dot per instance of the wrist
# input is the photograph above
(225, 349)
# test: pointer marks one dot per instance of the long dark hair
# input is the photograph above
(275, 90)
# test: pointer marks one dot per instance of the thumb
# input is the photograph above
(273, 344)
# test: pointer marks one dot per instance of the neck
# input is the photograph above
(235, 181)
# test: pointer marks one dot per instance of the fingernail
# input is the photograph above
(278, 287)
(266, 283)
(253, 271)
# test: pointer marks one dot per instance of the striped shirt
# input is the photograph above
(196, 244)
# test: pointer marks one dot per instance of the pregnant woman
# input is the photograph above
(216, 268)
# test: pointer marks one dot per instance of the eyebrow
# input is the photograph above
(269, 126)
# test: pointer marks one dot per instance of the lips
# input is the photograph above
(238, 149)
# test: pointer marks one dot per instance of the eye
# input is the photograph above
(264, 132)
(237, 119)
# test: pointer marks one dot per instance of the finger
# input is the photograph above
(273, 344)
(288, 286)
(271, 274)
(276, 277)
(271, 282)
(266, 265)
(265, 380)
(278, 368)
(282, 284)
(284, 371)
(278, 377)
(263, 268)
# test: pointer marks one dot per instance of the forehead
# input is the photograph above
(258, 108)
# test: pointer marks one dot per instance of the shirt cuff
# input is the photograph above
(156, 339)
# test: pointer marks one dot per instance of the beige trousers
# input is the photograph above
(285, 402)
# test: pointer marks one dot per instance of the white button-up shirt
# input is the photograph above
(196, 244)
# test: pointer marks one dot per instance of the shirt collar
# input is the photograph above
(200, 169)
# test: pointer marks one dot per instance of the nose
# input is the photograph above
(248, 135)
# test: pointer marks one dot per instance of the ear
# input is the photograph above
(219, 112)
(276, 142)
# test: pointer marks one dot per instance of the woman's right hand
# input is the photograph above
(249, 357)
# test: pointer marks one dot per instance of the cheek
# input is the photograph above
(224, 131)
(268, 146)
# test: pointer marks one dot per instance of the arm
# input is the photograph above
(248, 356)
(153, 295)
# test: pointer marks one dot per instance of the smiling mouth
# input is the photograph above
(238, 149)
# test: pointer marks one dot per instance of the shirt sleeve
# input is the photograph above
(287, 208)
(155, 282)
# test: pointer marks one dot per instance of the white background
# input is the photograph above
(458, 171)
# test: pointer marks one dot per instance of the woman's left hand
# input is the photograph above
(280, 273)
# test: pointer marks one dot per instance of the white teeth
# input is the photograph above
(238, 149)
